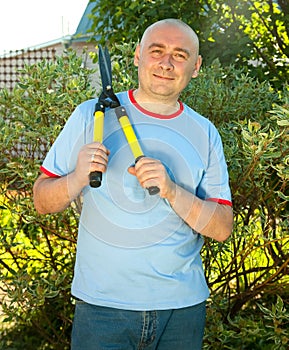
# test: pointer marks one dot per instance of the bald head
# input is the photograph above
(173, 22)
(167, 58)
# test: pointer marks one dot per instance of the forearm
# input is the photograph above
(52, 195)
(208, 218)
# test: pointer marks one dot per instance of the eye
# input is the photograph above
(156, 52)
(180, 57)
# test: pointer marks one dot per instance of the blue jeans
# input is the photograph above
(101, 328)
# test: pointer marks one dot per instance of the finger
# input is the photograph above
(149, 180)
(131, 170)
(148, 168)
(98, 162)
(95, 147)
(98, 156)
(98, 153)
(97, 167)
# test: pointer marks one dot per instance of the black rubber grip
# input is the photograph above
(153, 190)
(95, 179)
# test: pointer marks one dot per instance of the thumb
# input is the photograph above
(131, 170)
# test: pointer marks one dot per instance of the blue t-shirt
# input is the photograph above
(133, 251)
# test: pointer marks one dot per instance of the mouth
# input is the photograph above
(162, 77)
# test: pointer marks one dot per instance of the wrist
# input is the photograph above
(75, 185)
(172, 193)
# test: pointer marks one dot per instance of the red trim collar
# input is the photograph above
(151, 114)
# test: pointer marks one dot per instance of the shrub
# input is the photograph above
(245, 273)
(261, 329)
(37, 252)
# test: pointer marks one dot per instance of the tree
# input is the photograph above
(252, 34)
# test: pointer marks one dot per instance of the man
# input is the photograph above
(139, 282)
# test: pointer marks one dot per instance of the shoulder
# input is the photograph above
(200, 119)
(83, 113)
(123, 97)
(86, 106)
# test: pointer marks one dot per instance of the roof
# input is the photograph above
(86, 22)
(83, 32)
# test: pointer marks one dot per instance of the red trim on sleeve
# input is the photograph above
(47, 172)
(221, 201)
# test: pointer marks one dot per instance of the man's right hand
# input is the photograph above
(91, 157)
(54, 194)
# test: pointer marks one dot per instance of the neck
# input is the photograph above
(157, 105)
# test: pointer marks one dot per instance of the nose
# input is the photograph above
(166, 62)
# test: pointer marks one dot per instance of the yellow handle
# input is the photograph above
(130, 136)
(132, 140)
(98, 126)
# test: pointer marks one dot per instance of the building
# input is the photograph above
(11, 62)
(10, 71)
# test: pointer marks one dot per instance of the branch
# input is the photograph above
(7, 267)
(273, 31)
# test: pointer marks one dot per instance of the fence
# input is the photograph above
(12, 62)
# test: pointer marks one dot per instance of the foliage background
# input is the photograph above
(249, 34)
(37, 253)
(248, 274)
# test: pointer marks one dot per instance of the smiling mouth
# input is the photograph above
(162, 77)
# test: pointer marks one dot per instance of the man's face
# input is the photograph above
(167, 59)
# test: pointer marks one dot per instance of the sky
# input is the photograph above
(26, 23)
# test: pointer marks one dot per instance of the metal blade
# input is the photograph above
(108, 62)
(105, 67)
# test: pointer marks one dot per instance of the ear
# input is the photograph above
(136, 56)
(197, 67)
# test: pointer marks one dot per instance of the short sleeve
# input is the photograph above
(62, 156)
(215, 182)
